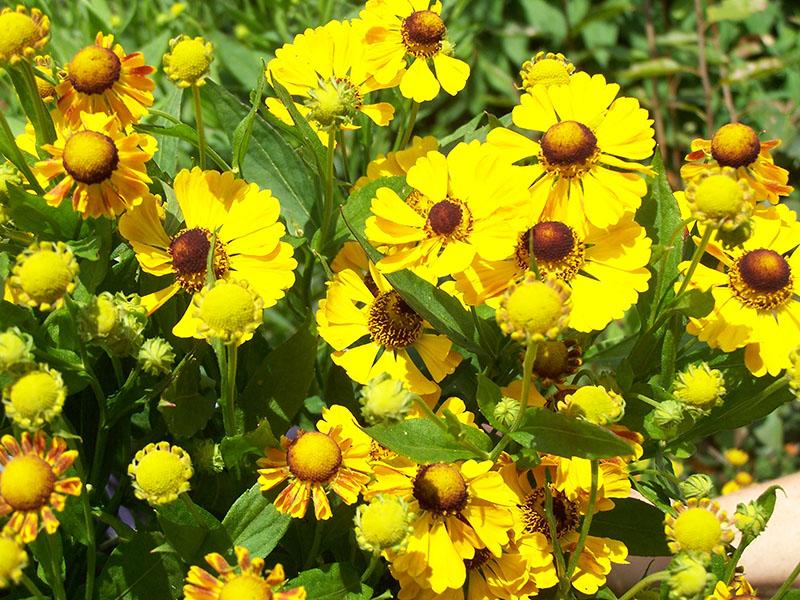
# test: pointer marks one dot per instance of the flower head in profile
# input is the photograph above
(738, 147)
(545, 68)
(698, 526)
(700, 388)
(244, 580)
(687, 577)
(13, 559)
(738, 588)
(593, 403)
(397, 163)
(399, 30)
(160, 473)
(35, 397)
(32, 483)
(384, 399)
(43, 70)
(101, 78)
(316, 462)
(240, 218)
(98, 165)
(25, 33)
(16, 350)
(229, 310)
(42, 275)
(588, 155)
(384, 523)
(188, 61)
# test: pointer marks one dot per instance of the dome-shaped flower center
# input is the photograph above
(552, 240)
(535, 308)
(104, 315)
(595, 404)
(482, 556)
(334, 101)
(19, 32)
(392, 323)
(719, 196)
(444, 217)
(565, 511)
(45, 276)
(765, 270)
(94, 69)
(700, 387)
(160, 472)
(556, 359)
(246, 587)
(697, 529)
(314, 456)
(10, 558)
(735, 145)
(189, 252)
(440, 488)
(189, 60)
(35, 393)
(26, 482)
(90, 157)
(547, 71)
(228, 307)
(568, 143)
(384, 522)
(423, 32)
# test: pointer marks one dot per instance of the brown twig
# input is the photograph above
(702, 67)
(658, 118)
(727, 96)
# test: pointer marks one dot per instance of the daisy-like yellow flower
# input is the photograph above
(188, 61)
(160, 473)
(399, 162)
(545, 68)
(698, 526)
(534, 310)
(372, 329)
(244, 580)
(101, 78)
(248, 242)
(742, 479)
(35, 398)
(606, 269)
(737, 146)
(469, 203)
(316, 462)
(402, 29)
(700, 388)
(13, 559)
(42, 275)
(229, 310)
(24, 33)
(32, 485)
(717, 198)
(461, 508)
(327, 69)
(98, 164)
(736, 456)
(587, 169)
(555, 360)
(755, 294)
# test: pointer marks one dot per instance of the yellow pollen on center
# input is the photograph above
(94, 69)
(735, 145)
(719, 195)
(440, 488)
(384, 524)
(34, 393)
(568, 143)
(314, 456)
(45, 277)
(160, 472)
(189, 60)
(246, 587)
(392, 323)
(697, 529)
(19, 31)
(535, 307)
(227, 307)
(423, 32)
(547, 71)
(90, 157)
(9, 557)
(26, 482)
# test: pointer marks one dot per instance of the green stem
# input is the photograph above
(198, 118)
(117, 365)
(737, 555)
(787, 584)
(222, 361)
(312, 555)
(644, 583)
(587, 523)
(31, 587)
(14, 154)
(56, 582)
(327, 206)
(233, 365)
(343, 148)
(698, 254)
(91, 549)
(401, 143)
(45, 130)
(373, 562)
(553, 528)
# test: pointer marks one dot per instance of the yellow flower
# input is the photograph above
(248, 240)
(327, 68)
(737, 146)
(739, 588)
(698, 526)
(43, 274)
(586, 171)
(101, 166)
(372, 330)
(101, 78)
(16, 350)
(545, 69)
(188, 60)
(229, 310)
(46, 89)
(385, 399)
(383, 524)
(401, 29)
(606, 270)
(160, 473)
(35, 398)
(24, 33)
(755, 294)
(315, 462)
(461, 508)
(736, 457)
(466, 204)
(593, 403)
(688, 577)
(718, 198)
(31, 483)
(742, 479)
(399, 162)
(535, 310)
(245, 580)
(700, 388)
(13, 559)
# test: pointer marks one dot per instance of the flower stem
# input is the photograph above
(43, 124)
(227, 358)
(56, 582)
(31, 587)
(587, 522)
(233, 365)
(644, 583)
(787, 584)
(198, 118)
(698, 253)
(402, 142)
(373, 562)
(553, 527)
(327, 206)
(737, 555)
(91, 549)
(312, 555)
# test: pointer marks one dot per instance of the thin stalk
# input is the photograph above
(198, 119)
(527, 369)
(412, 119)
(698, 253)
(644, 583)
(91, 549)
(587, 523)
(314, 545)
(737, 555)
(373, 562)
(56, 582)
(233, 364)
(117, 365)
(702, 65)
(14, 154)
(43, 121)
(553, 527)
(327, 206)
(31, 586)
(343, 148)
(787, 584)
(222, 361)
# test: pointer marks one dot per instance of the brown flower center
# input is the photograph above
(565, 511)
(568, 144)
(444, 217)
(440, 488)
(423, 32)
(94, 69)
(189, 251)
(555, 359)
(90, 157)
(392, 323)
(556, 248)
(735, 145)
(761, 279)
(26, 482)
(314, 456)
(482, 556)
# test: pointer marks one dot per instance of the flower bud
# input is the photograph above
(698, 485)
(383, 524)
(687, 578)
(507, 410)
(750, 519)
(156, 356)
(385, 399)
(16, 349)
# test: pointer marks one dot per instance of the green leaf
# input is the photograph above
(766, 501)
(244, 130)
(32, 213)
(423, 441)
(339, 581)
(556, 433)
(9, 149)
(309, 136)
(735, 10)
(167, 156)
(24, 82)
(695, 303)
(639, 525)
(356, 209)
(192, 531)
(488, 396)
(255, 523)
(186, 133)
(185, 410)
(135, 572)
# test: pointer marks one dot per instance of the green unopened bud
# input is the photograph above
(206, 456)
(383, 524)
(333, 103)
(506, 411)
(734, 238)
(9, 174)
(697, 486)
(668, 415)
(114, 322)
(750, 519)
(688, 578)
(384, 399)
(16, 350)
(156, 356)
